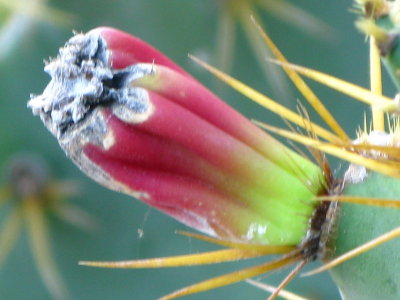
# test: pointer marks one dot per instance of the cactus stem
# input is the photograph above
(390, 235)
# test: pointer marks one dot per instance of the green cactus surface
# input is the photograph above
(374, 274)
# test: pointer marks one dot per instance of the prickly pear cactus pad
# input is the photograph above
(374, 274)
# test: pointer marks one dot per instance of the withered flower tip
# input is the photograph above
(82, 84)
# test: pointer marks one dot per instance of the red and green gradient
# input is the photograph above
(198, 160)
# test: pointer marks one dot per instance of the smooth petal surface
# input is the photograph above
(128, 50)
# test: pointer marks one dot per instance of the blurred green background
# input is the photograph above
(176, 27)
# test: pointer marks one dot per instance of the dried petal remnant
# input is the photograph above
(81, 83)
(81, 80)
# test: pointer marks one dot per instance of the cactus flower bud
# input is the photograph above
(135, 122)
